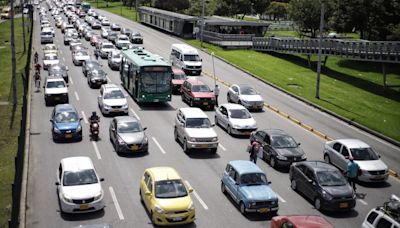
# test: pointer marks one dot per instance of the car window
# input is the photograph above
(283, 141)
(302, 168)
(170, 189)
(331, 178)
(364, 154)
(310, 175)
(383, 223)
(337, 146)
(129, 127)
(146, 177)
(223, 110)
(232, 173)
(239, 114)
(287, 224)
(371, 217)
(345, 152)
(150, 184)
(81, 177)
(198, 123)
(260, 134)
(253, 179)
(228, 168)
(114, 94)
(247, 90)
(234, 88)
(60, 171)
(66, 117)
(200, 88)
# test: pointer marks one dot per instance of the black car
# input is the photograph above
(115, 27)
(88, 65)
(136, 38)
(96, 77)
(280, 149)
(323, 184)
(126, 31)
(58, 70)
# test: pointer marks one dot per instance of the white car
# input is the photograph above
(384, 216)
(104, 32)
(105, 22)
(50, 59)
(105, 48)
(79, 56)
(245, 95)
(55, 91)
(194, 130)
(235, 118)
(122, 41)
(373, 169)
(112, 100)
(78, 186)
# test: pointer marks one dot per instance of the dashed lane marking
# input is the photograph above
(197, 196)
(76, 96)
(116, 204)
(84, 117)
(222, 147)
(134, 113)
(96, 149)
(158, 145)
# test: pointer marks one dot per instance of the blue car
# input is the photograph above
(66, 124)
(248, 186)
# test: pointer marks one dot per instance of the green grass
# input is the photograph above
(282, 33)
(116, 8)
(9, 134)
(349, 88)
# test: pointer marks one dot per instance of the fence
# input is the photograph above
(19, 158)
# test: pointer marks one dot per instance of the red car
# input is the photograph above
(196, 93)
(178, 78)
(94, 39)
(300, 221)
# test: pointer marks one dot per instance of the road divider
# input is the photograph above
(222, 147)
(76, 95)
(70, 80)
(96, 150)
(84, 117)
(116, 204)
(134, 113)
(158, 145)
(362, 201)
(281, 198)
(197, 196)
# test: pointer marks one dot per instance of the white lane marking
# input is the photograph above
(58, 45)
(117, 207)
(158, 144)
(362, 201)
(280, 198)
(64, 59)
(222, 147)
(84, 117)
(134, 113)
(77, 96)
(197, 196)
(109, 79)
(72, 82)
(96, 149)
(60, 50)
(394, 178)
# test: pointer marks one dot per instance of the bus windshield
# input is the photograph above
(156, 82)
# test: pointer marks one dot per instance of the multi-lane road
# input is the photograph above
(201, 170)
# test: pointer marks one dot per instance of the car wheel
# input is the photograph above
(176, 135)
(116, 147)
(317, 203)
(327, 159)
(229, 130)
(216, 120)
(185, 148)
(223, 188)
(182, 97)
(293, 184)
(272, 162)
(228, 97)
(191, 103)
(214, 150)
(240, 102)
(242, 208)
(141, 196)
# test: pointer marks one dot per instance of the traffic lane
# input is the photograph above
(307, 114)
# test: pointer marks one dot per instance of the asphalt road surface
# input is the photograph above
(202, 170)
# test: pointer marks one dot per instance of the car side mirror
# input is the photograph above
(310, 181)
(269, 182)
(144, 128)
(298, 144)
(147, 193)
(190, 190)
(113, 129)
(236, 183)
(201, 60)
(213, 125)
(102, 179)
(57, 183)
(80, 119)
(51, 121)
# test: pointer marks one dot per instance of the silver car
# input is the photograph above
(235, 118)
(112, 100)
(46, 37)
(246, 96)
(127, 135)
(114, 60)
(372, 168)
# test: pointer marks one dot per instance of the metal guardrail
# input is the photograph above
(376, 51)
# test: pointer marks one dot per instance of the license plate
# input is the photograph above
(264, 210)
(83, 207)
(247, 133)
(68, 136)
(116, 110)
(193, 72)
(134, 147)
(176, 219)
(156, 100)
(254, 106)
(343, 205)
(205, 103)
(204, 145)
(56, 98)
(378, 177)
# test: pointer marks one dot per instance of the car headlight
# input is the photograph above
(235, 126)
(196, 98)
(56, 130)
(192, 139)
(120, 141)
(191, 206)
(106, 106)
(326, 195)
(98, 196)
(253, 203)
(214, 139)
(125, 106)
(159, 210)
(280, 157)
(66, 198)
(145, 140)
(244, 102)
(303, 156)
(79, 128)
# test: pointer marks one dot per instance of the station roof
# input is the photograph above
(167, 13)
(223, 21)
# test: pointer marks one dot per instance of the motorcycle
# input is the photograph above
(94, 130)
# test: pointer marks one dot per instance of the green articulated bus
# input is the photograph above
(146, 76)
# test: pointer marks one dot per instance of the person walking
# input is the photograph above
(96, 53)
(255, 146)
(37, 79)
(216, 94)
(352, 172)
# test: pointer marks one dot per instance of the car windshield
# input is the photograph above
(50, 57)
(198, 123)
(253, 179)
(114, 94)
(247, 90)
(330, 178)
(56, 69)
(107, 46)
(66, 117)
(81, 53)
(98, 72)
(129, 127)
(123, 38)
(200, 88)
(55, 84)
(81, 177)
(116, 56)
(170, 189)
(191, 58)
(136, 34)
(239, 114)
(283, 141)
(364, 154)
(47, 34)
(179, 76)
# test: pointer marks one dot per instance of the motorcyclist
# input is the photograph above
(38, 67)
(36, 57)
(94, 118)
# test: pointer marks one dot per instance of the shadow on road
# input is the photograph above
(83, 217)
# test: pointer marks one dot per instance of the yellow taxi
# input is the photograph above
(166, 197)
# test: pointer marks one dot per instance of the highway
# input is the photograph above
(201, 170)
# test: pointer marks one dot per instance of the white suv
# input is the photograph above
(55, 90)
(78, 186)
(194, 130)
(385, 216)
(112, 100)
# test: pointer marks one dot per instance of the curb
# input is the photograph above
(301, 124)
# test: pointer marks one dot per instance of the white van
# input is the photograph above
(187, 58)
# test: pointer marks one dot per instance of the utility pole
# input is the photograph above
(136, 9)
(215, 77)
(23, 25)
(13, 64)
(321, 28)
(202, 23)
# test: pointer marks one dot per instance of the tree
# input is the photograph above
(172, 5)
(277, 10)
(196, 7)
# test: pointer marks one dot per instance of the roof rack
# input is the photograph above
(392, 207)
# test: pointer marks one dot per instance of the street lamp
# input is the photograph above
(215, 77)
(321, 28)
(202, 23)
